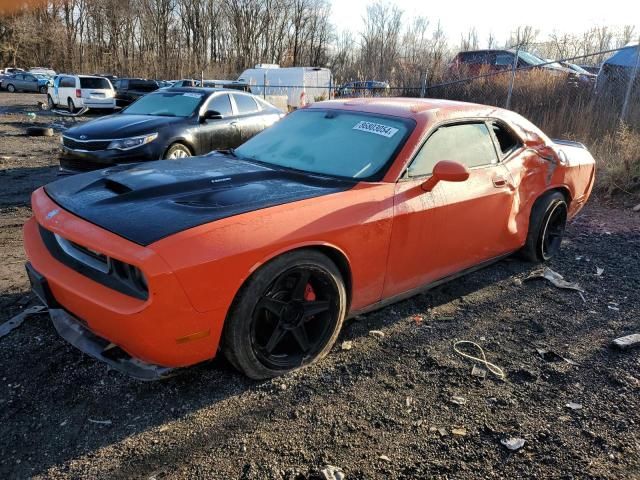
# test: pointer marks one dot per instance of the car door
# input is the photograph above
(30, 83)
(457, 225)
(248, 116)
(66, 89)
(219, 134)
(18, 81)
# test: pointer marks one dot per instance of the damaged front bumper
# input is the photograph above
(72, 330)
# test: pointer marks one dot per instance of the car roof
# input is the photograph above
(411, 107)
(208, 90)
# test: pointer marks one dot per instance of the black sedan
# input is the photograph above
(167, 124)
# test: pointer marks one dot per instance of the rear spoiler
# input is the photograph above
(568, 143)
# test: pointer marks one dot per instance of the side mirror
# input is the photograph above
(446, 171)
(212, 115)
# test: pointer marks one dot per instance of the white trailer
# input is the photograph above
(301, 85)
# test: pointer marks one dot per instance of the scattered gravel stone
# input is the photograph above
(346, 345)
(513, 443)
(376, 333)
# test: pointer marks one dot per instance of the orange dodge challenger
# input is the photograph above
(262, 252)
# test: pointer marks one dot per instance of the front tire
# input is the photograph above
(286, 316)
(50, 103)
(546, 227)
(177, 150)
(11, 88)
(43, 89)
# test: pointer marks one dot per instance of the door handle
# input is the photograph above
(499, 181)
(233, 124)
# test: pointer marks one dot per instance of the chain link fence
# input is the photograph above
(558, 95)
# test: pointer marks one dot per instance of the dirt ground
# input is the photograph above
(383, 409)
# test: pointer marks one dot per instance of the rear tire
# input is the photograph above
(176, 151)
(286, 316)
(11, 88)
(546, 227)
(43, 89)
(71, 106)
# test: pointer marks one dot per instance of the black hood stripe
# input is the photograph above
(147, 202)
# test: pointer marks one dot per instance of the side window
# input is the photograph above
(68, 82)
(507, 140)
(19, 77)
(245, 104)
(469, 144)
(504, 59)
(116, 84)
(222, 104)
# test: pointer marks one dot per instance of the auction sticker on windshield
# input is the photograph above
(192, 95)
(376, 128)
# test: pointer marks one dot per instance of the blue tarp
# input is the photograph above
(627, 57)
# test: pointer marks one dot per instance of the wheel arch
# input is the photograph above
(334, 253)
(182, 141)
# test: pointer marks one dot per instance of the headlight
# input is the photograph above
(133, 142)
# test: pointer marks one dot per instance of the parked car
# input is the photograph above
(591, 68)
(47, 72)
(484, 61)
(128, 90)
(230, 84)
(616, 71)
(582, 75)
(25, 82)
(12, 70)
(262, 252)
(167, 124)
(79, 91)
(185, 83)
(368, 88)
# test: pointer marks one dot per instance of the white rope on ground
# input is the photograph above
(497, 371)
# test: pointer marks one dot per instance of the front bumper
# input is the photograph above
(84, 340)
(72, 330)
(163, 330)
(77, 161)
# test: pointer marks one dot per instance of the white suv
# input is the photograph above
(78, 91)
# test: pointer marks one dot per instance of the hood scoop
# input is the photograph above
(147, 202)
(116, 187)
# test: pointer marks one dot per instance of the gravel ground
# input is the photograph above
(384, 408)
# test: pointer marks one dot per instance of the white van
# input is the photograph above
(301, 85)
(79, 91)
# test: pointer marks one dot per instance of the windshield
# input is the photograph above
(330, 142)
(95, 82)
(166, 104)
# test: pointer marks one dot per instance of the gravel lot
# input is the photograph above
(382, 409)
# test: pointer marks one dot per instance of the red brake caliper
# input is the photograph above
(309, 293)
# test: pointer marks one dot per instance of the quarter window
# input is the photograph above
(469, 144)
(245, 104)
(507, 140)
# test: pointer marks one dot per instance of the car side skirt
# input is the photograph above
(424, 288)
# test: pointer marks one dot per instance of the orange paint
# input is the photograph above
(393, 235)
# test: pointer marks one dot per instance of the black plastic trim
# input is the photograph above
(106, 279)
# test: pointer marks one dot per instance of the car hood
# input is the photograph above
(147, 202)
(121, 126)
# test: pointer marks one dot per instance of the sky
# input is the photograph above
(499, 16)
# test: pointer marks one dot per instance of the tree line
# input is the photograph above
(183, 38)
